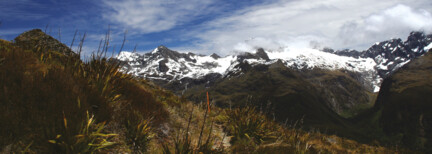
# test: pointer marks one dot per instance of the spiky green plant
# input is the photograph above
(138, 132)
(247, 123)
(89, 139)
(105, 76)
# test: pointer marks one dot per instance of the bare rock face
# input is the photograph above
(261, 53)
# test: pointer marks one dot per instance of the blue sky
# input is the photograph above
(219, 26)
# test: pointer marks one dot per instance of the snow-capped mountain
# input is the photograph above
(165, 64)
(373, 64)
(392, 54)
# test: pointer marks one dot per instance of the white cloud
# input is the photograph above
(394, 22)
(312, 22)
(154, 16)
(273, 44)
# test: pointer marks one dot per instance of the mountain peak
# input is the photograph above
(262, 54)
(215, 56)
(416, 34)
(162, 47)
(163, 50)
(166, 53)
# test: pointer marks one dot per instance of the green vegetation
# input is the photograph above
(249, 129)
(343, 93)
(89, 139)
(138, 132)
(247, 123)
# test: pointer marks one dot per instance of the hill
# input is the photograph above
(54, 102)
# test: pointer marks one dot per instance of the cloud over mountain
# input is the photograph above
(393, 22)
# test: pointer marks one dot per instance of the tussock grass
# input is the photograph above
(138, 132)
(44, 86)
(248, 123)
(193, 130)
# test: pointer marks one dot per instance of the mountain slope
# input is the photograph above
(342, 90)
(405, 104)
(276, 90)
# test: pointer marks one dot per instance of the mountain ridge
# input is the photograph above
(386, 57)
(187, 65)
(392, 54)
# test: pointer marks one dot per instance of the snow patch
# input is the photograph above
(428, 47)
(127, 56)
(311, 58)
(155, 51)
(401, 64)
